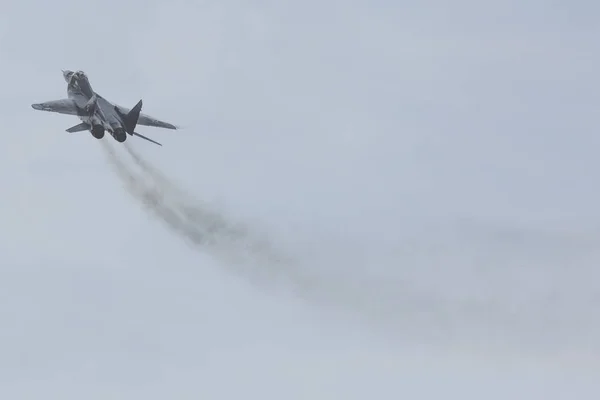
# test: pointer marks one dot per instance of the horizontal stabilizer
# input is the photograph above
(78, 128)
(144, 137)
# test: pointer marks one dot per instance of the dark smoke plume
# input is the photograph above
(241, 250)
(423, 315)
(232, 243)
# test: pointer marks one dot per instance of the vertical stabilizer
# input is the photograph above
(132, 117)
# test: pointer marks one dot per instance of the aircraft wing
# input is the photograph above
(62, 106)
(148, 120)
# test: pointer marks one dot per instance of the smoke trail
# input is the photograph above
(244, 252)
(248, 255)
(417, 314)
(238, 247)
(233, 243)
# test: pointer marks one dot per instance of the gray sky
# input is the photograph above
(430, 168)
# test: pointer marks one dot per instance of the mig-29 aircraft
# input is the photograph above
(98, 114)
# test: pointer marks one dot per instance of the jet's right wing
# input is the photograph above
(149, 121)
(62, 106)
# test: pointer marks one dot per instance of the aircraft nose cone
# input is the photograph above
(37, 106)
(67, 74)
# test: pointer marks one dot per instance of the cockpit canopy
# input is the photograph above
(67, 75)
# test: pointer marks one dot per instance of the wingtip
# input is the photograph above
(167, 125)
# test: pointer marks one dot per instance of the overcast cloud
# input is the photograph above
(426, 171)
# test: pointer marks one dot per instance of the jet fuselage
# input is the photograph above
(103, 116)
(97, 114)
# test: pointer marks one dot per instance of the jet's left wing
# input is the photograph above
(62, 106)
(148, 120)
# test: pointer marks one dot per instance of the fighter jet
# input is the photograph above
(98, 114)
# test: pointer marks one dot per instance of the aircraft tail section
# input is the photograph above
(131, 119)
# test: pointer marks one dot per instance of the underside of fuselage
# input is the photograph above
(99, 114)
(98, 130)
